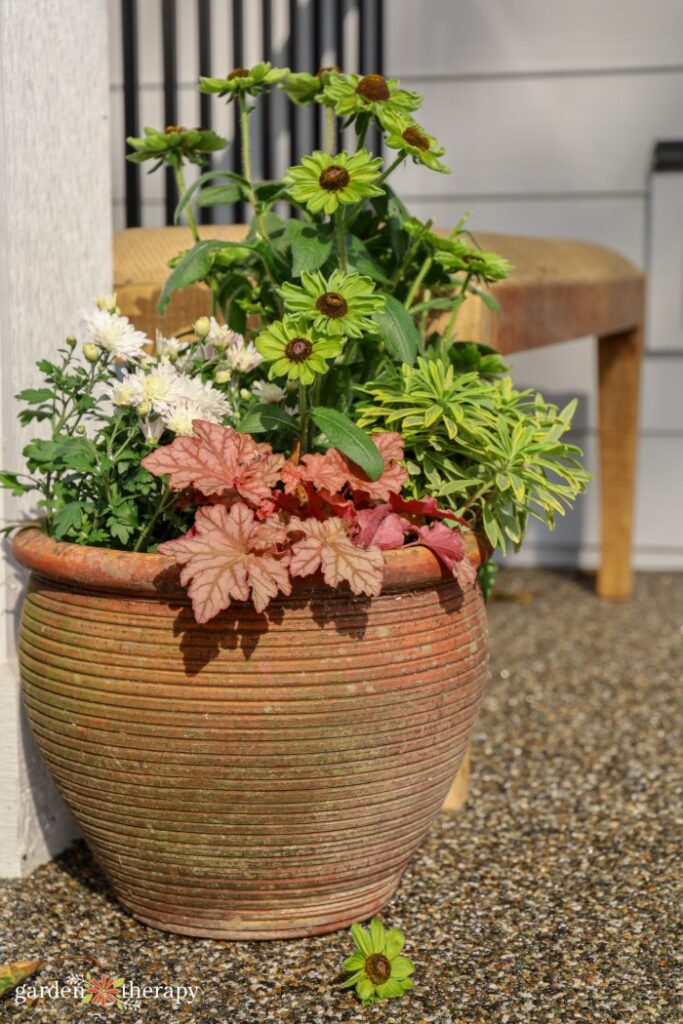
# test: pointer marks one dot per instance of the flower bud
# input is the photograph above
(222, 376)
(80, 430)
(91, 352)
(144, 408)
(108, 303)
(245, 393)
(202, 326)
(71, 341)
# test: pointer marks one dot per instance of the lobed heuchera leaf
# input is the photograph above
(448, 546)
(217, 460)
(332, 471)
(230, 557)
(327, 545)
(382, 527)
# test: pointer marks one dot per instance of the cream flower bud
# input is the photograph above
(222, 376)
(144, 408)
(91, 352)
(108, 303)
(202, 326)
(71, 341)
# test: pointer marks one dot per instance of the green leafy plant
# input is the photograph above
(329, 363)
(377, 969)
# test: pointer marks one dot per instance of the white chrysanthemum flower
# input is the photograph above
(221, 336)
(242, 356)
(152, 427)
(113, 333)
(268, 393)
(108, 303)
(213, 403)
(168, 348)
(127, 391)
(180, 418)
(161, 386)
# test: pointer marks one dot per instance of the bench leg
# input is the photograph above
(619, 359)
(457, 794)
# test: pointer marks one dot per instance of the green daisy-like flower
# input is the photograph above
(252, 81)
(296, 351)
(352, 95)
(456, 256)
(377, 970)
(323, 182)
(342, 305)
(175, 144)
(303, 88)
(406, 135)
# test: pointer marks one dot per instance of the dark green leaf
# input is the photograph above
(68, 518)
(193, 267)
(398, 331)
(353, 442)
(12, 482)
(263, 418)
(200, 181)
(219, 195)
(361, 261)
(34, 396)
(310, 248)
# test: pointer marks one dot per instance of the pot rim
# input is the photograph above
(107, 569)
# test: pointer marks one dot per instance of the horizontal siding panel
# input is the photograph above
(618, 223)
(658, 514)
(547, 136)
(448, 37)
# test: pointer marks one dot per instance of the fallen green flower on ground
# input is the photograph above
(377, 970)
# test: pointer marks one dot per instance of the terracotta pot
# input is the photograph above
(261, 776)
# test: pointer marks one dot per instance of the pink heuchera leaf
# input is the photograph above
(332, 471)
(218, 460)
(230, 557)
(422, 507)
(382, 527)
(445, 543)
(327, 545)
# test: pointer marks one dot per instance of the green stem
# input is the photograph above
(412, 249)
(448, 330)
(341, 243)
(392, 167)
(165, 501)
(304, 417)
(330, 130)
(415, 286)
(246, 166)
(182, 189)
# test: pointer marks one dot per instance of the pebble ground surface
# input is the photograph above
(552, 897)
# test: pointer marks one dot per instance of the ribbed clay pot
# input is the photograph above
(261, 776)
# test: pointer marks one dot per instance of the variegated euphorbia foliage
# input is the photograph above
(264, 519)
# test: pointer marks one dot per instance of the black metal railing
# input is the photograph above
(315, 34)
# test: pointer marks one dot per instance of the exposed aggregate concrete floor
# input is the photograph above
(554, 896)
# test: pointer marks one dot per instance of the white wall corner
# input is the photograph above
(55, 255)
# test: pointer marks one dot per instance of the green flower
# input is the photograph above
(408, 136)
(296, 351)
(457, 257)
(377, 971)
(352, 95)
(303, 87)
(244, 80)
(175, 144)
(342, 305)
(323, 182)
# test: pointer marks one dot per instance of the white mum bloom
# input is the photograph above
(242, 356)
(113, 333)
(220, 335)
(169, 348)
(127, 391)
(267, 392)
(180, 418)
(161, 386)
(152, 427)
(212, 403)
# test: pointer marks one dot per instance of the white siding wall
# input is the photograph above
(549, 112)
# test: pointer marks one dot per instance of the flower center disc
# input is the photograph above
(298, 349)
(238, 73)
(414, 137)
(373, 88)
(174, 128)
(333, 178)
(332, 304)
(377, 968)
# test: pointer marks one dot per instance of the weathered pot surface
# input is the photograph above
(262, 776)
